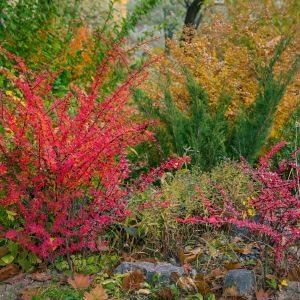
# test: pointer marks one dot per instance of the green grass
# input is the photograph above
(60, 293)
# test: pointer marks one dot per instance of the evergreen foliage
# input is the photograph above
(205, 133)
(200, 132)
(253, 125)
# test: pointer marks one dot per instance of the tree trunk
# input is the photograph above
(192, 13)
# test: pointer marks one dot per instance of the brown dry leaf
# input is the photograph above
(262, 295)
(40, 276)
(294, 274)
(202, 286)
(28, 294)
(133, 280)
(246, 250)
(187, 284)
(8, 271)
(79, 281)
(187, 257)
(231, 292)
(215, 274)
(166, 294)
(97, 293)
(3, 251)
(233, 266)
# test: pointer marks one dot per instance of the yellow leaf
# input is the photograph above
(251, 212)
(284, 282)
(10, 215)
(9, 93)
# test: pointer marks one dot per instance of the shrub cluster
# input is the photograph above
(63, 160)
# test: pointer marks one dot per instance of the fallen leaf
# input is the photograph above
(97, 293)
(215, 274)
(133, 280)
(40, 276)
(233, 266)
(262, 295)
(28, 294)
(246, 250)
(187, 257)
(231, 292)
(166, 294)
(202, 286)
(3, 251)
(144, 292)
(187, 284)
(8, 271)
(284, 282)
(294, 274)
(79, 281)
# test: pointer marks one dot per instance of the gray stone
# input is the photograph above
(159, 272)
(239, 282)
(291, 292)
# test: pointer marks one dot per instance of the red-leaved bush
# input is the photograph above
(63, 163)
(274, 208)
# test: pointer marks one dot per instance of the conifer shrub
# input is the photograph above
(64, 174)
(204, 131)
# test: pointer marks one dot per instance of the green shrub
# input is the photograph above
(205, 133)
(177, 197)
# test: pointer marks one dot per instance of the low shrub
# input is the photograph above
(272, 211)
(63, 172)
(155, 211)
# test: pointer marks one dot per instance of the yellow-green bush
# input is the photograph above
(157, 209)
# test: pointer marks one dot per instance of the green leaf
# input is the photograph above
(272, 283)
(211, 297)
(11, 215)
(13, 248)
(8, 259)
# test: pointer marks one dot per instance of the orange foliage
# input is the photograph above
(82, 41)
(224, 55)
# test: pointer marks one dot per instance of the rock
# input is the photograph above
(239, 283)
(159, 272)
(291, 292)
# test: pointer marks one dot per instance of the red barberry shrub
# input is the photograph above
(272, 212)
(63, 163)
